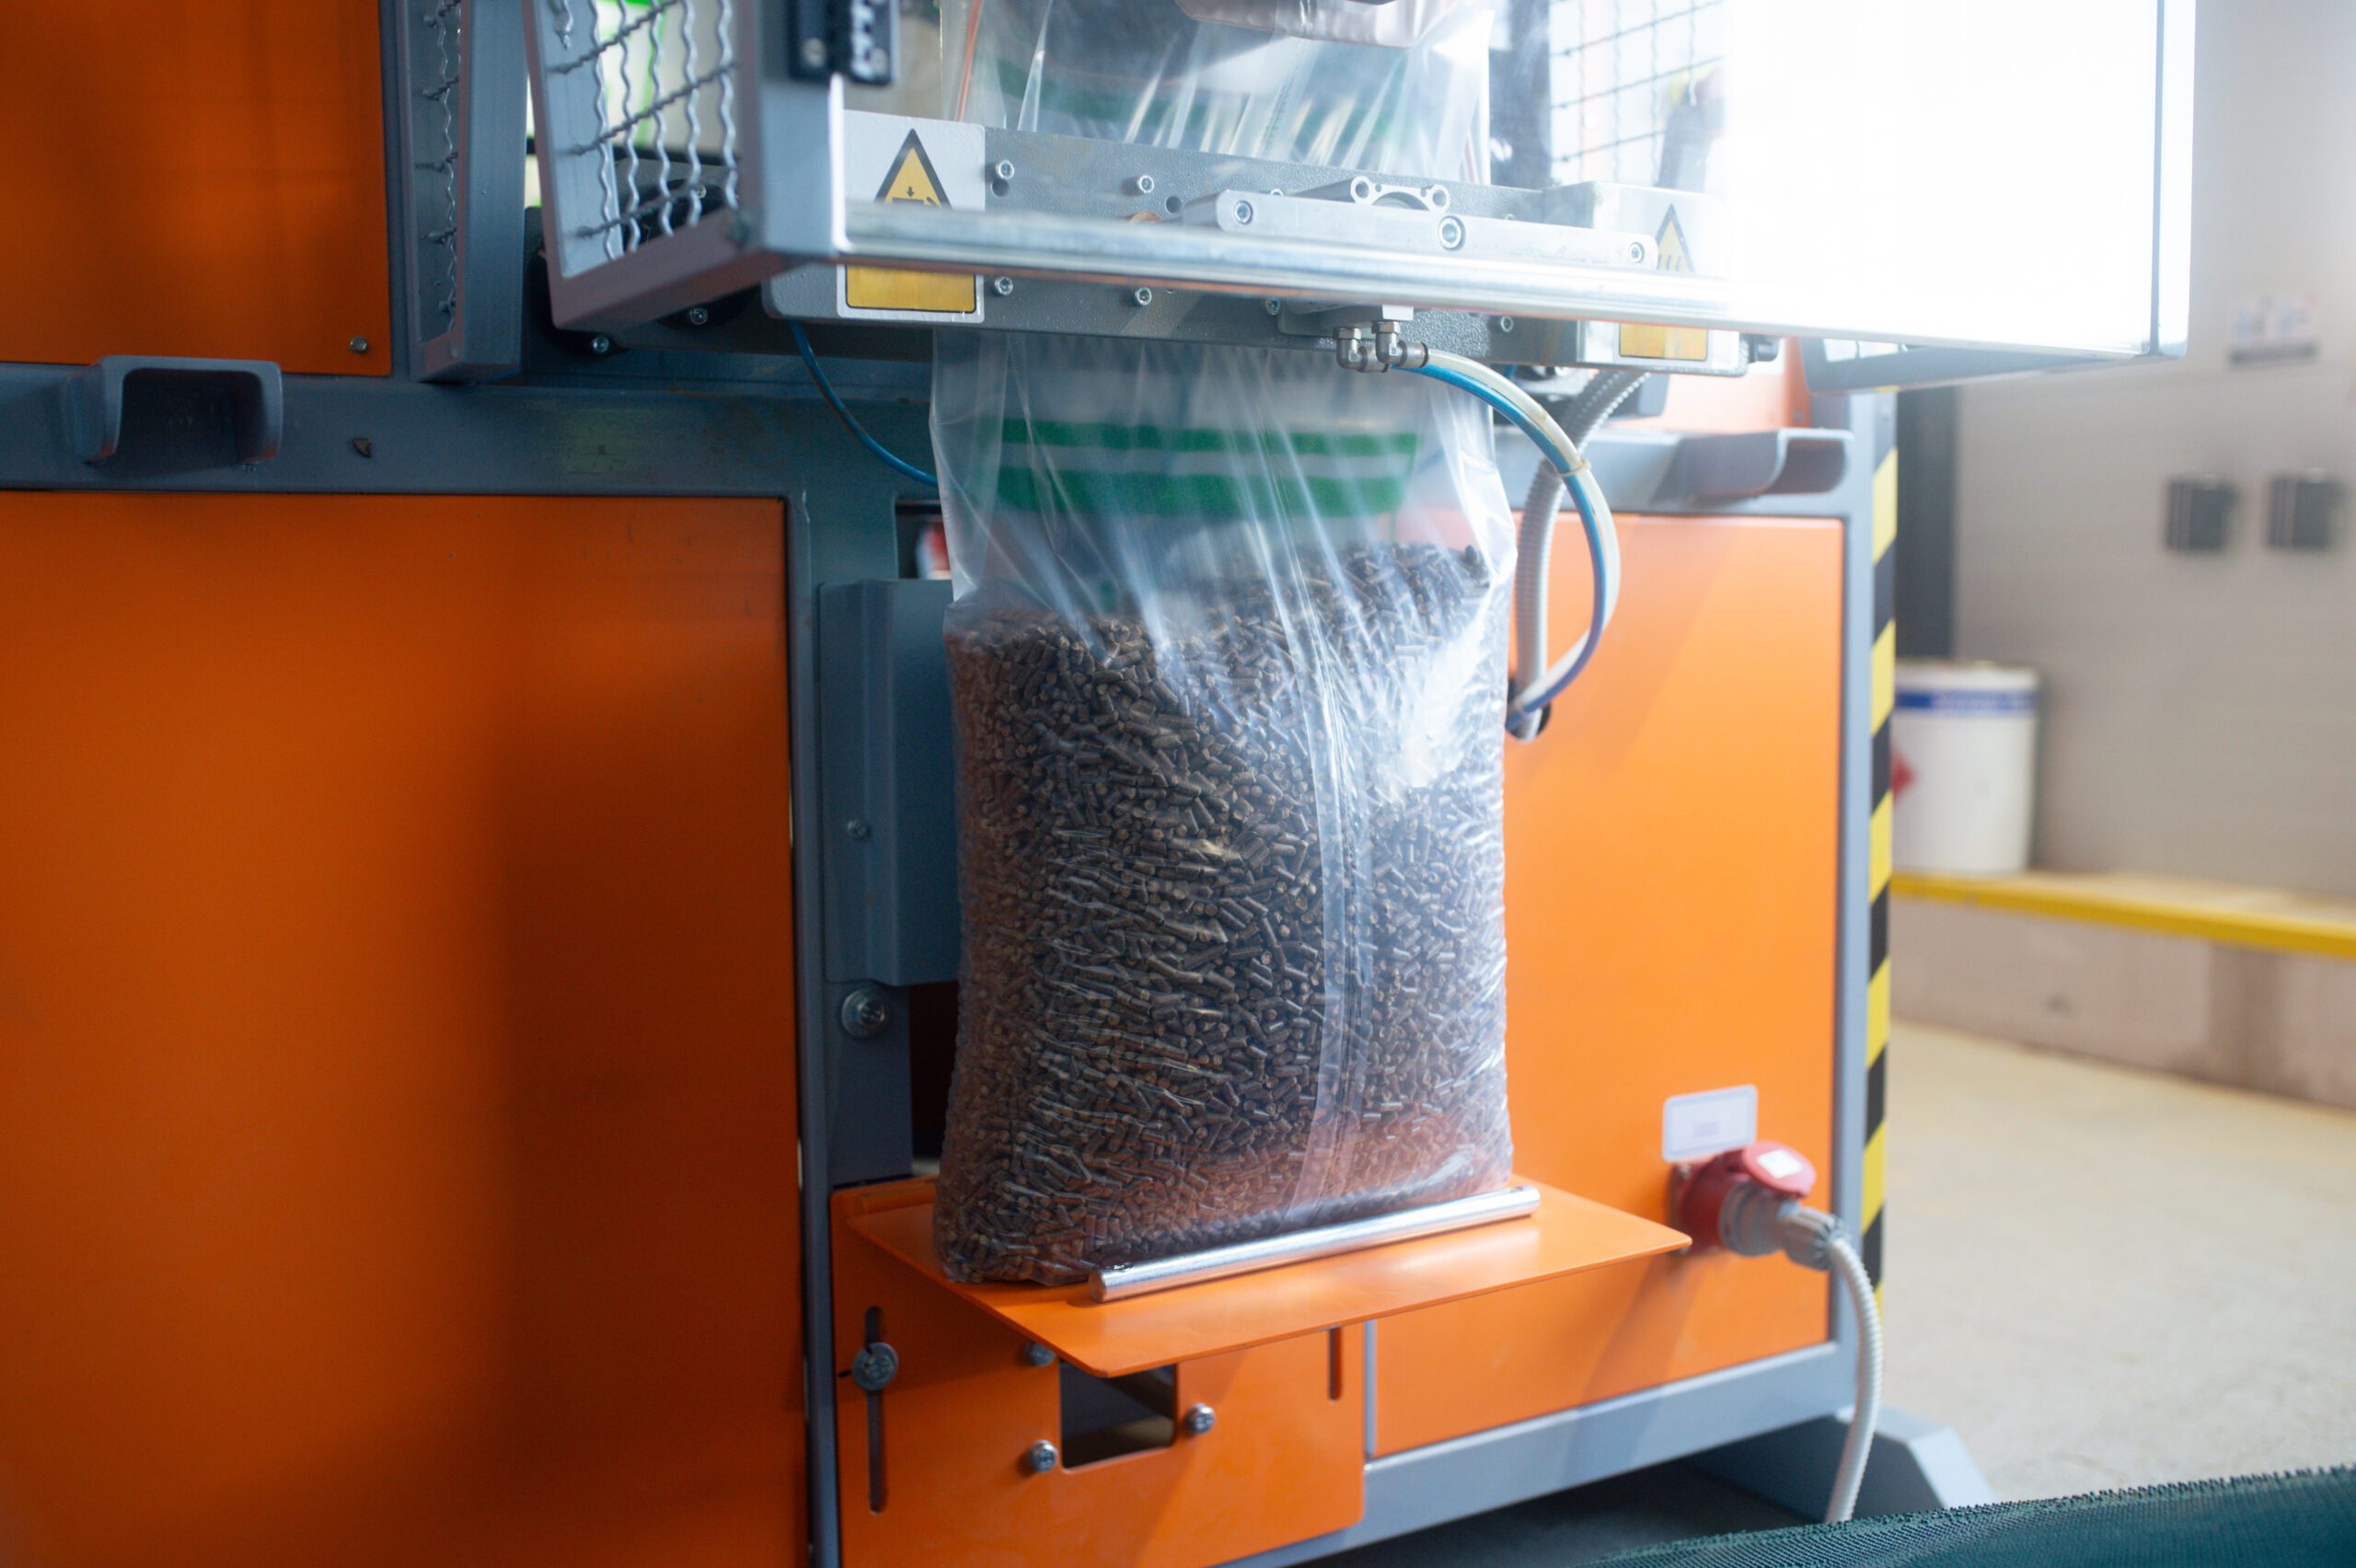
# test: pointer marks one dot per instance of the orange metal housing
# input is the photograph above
(1285, 1461)
(396, 1097)
(1670, 903)
(200, 180)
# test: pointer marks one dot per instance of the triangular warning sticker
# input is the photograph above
(911, 177)
(1669, 243)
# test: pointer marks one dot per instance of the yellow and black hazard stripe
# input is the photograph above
(1885, 698)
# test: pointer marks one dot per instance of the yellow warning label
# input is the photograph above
(1639, 340)
(911, 178)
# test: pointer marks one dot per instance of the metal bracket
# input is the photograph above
(1766, 462)
(255, 390)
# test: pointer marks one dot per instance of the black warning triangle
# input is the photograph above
(912, 177)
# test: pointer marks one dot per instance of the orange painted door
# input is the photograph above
(1671, 909)
(211, 182)
(397, 1094)
(940, 1481)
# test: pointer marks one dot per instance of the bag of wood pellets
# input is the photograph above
(1228, 664)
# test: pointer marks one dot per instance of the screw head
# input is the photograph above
(359, 345)
(601, 344)
(1039, 1457)
(698, 315)
(1142, 185)
(875, 1367)
(1001, 286)
(1200, 1419)
(1505, 323)
(1452, 232)
(1037, 1354)
(1274, 307)
(1004, 170)
(866, 1014)
(1140, 295)
(1243, 211)
(1635, 250)
(814, 53)
(860, 828)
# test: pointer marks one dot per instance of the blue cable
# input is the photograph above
(1532, 702)
(890, 460)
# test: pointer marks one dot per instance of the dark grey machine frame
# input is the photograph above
(652, 416)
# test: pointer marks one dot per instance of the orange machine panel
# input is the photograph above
(1670, 902)
(212, 183)
(1285, 1461)
(396, 1102)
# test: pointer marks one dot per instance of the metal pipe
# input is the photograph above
(1299, 1246)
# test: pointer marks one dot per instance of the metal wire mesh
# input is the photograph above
(664, 135)
(1621, 68)
(434, 141)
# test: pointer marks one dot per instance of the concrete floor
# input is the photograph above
(2107, 1277)
(2102, 1278)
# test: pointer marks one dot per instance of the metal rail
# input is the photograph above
(1299, 1246)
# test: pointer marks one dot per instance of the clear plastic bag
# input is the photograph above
(1227, 657)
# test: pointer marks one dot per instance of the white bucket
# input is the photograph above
(1963, 768)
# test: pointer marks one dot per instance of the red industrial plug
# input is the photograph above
(1738, 1199)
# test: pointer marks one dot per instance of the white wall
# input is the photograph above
(2201, 709)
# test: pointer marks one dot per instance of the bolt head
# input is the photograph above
(1452, 232)
(860, 828)
(1505, 323)
(698, 315)
(1635, 250)
(1200, 1419)
(1142, 185)
(601, 344)
(1040, 1457)
(1004, 170)
(1037, 1354)
(866, 1014)
(1001, 286)
(1142, 295)
(1243, 211)
(875, 1367)
(814, 53)
(1276, 307)
(359, 345)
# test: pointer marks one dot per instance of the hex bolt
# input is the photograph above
(1037, 1354)
(1142, 185)
(1001, 286)
(359, 345)
(1452, 232)
(1140, 295)
(875, 1367)
(814, 53)
(698, 315)
(860, 828)
(1004, 170)
(1274, 307)
(601, 344)
(1505, 323)
(1039, 1457)
(1200, 1419)
(1243, 211)
(1635, 250)
(866, 1014)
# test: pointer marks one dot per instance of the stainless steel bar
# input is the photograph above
(1299, 1246)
